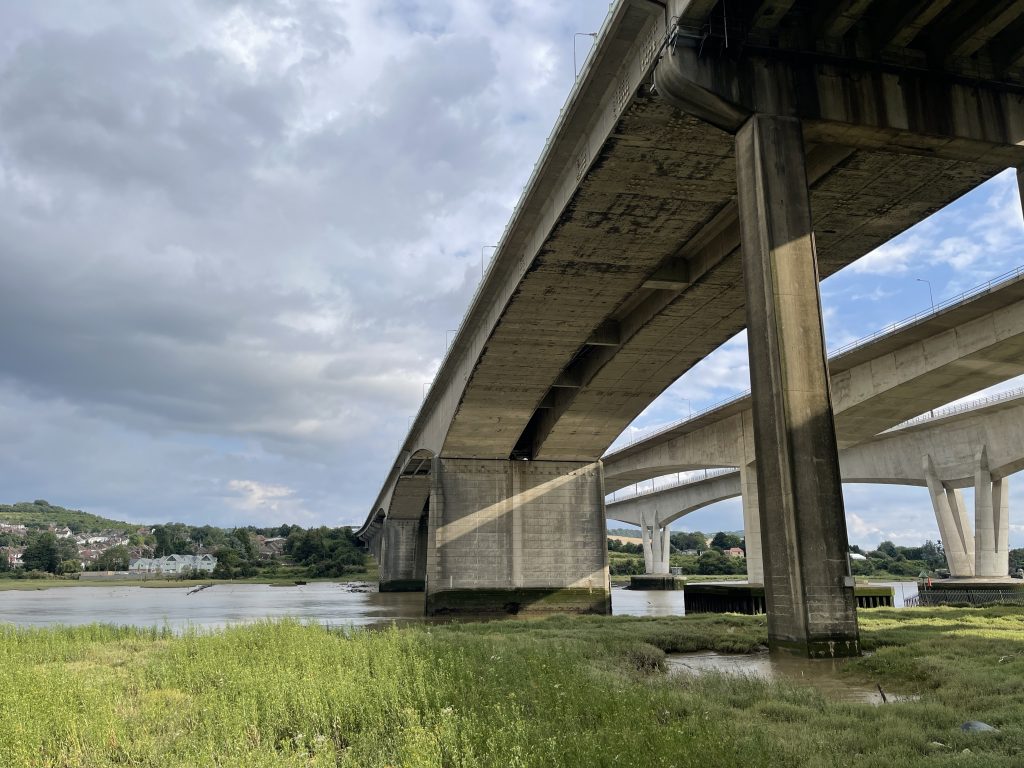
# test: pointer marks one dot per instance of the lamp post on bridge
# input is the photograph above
(482, 249)
(931, 296)
(575, 70)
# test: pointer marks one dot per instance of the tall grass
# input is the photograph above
(580, 691)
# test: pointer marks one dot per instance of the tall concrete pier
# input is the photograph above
(808, 585)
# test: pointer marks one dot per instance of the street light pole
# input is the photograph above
(575, 71)
(482, 249)
(930, 295)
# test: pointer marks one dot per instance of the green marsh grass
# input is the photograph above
(587, 691)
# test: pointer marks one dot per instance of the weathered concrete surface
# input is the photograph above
(991, 520)
(660, 582)
(952, 443)
(923, 365)
(951, 517)
(656, 545)
(516, 537)
(807, 580)
(753, 548)
(403, 555)
(841, 101)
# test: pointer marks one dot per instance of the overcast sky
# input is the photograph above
(234, 235)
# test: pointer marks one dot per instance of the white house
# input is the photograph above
(173, 565)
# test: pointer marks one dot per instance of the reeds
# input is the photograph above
(557, 692)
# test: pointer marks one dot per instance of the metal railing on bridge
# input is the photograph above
(647, 487)
(952, 410)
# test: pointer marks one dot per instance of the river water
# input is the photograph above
(329, 603)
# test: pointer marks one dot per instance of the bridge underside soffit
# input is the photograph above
(660, 197)
(411, 497)
(977, 38)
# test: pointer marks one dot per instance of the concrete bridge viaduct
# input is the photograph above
(976, 445)
(971, 342)
(714, 162)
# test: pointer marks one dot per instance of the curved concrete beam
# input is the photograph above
(951, 446)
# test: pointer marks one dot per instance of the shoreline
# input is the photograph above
(30, 585)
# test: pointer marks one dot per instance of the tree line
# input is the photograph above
(313, 552)
(887, 559)
(693, 552)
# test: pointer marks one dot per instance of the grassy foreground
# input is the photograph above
(558, 692)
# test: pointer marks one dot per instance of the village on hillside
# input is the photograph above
(114, 550)
(39, 539)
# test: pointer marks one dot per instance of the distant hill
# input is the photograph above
(40, 513)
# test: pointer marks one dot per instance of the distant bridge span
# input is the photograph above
(967, 344)
(973, 447)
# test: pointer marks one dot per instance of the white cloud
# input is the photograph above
(895, 257)
(859, 529)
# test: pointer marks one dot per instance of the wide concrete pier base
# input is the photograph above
(656, 582)
(516, 537)
(808, 586)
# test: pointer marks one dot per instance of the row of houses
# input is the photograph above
(173, 564)
(106, 539)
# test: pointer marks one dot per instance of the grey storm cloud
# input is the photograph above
(233, 235)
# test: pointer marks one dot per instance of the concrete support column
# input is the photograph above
(751, 524)
(808, 586)
(648, 545)
(954, 527)
(656, 544)
(991, 522)
(374, 545)
(508, 537)
(402, 556)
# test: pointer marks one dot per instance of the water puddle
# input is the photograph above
(823, 675)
